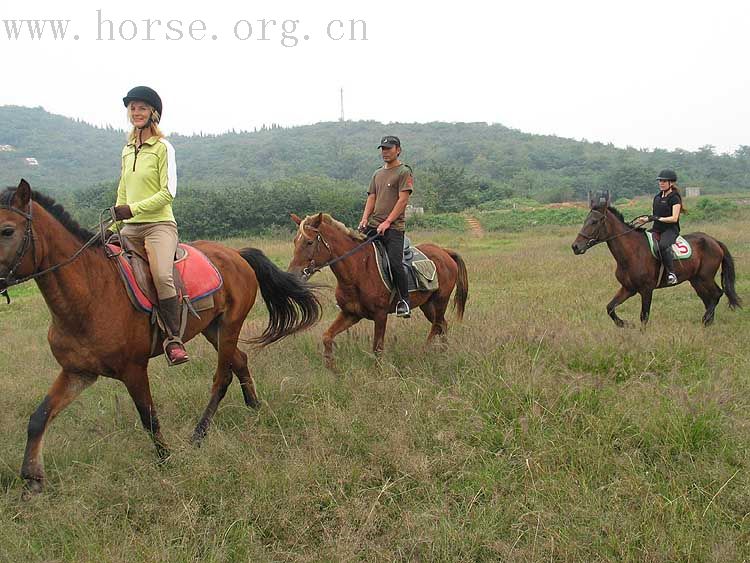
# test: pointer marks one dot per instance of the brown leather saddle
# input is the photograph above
(142, 270)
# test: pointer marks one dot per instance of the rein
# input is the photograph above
(312, 268)
(28, 241)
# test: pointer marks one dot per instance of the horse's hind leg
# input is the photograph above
(622, 295)
(227, 345)
(435, 312)
(135, 379)
(710, 293)
(239, 367)
(63, 391)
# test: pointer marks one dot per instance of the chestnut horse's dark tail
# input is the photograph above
(727, 278)
(292, 304)
(462, 284)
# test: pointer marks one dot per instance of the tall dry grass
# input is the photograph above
(540, 432)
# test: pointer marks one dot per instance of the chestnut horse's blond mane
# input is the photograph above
(328, 220)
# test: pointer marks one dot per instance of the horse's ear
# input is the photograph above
(606, 193)
(22, 195)
(591, 199)
(316, 221)
(295, 218)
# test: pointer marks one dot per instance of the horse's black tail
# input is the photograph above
(727, 278)
(292, 304)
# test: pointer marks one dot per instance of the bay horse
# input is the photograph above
(95, 331)
(638, 271)
(360, 293)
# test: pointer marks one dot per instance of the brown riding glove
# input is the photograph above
(122, 212)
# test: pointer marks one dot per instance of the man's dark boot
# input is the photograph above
(174, 349)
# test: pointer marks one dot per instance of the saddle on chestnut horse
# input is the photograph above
(421, 272)
(195, 276)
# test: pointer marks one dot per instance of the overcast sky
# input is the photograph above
(646, 74)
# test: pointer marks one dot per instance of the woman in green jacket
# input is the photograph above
(148, 184)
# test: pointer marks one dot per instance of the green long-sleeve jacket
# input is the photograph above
(148, 182)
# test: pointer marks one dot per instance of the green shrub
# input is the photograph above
(438, 221)
(711, 209)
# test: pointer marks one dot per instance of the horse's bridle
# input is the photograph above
(28, 241)
(312, 268)
(593, 241)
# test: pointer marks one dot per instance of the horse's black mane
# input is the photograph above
(616, 213)
(54, 209)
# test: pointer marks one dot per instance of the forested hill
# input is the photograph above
(488, 161)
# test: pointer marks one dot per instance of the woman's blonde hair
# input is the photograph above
(153, 126)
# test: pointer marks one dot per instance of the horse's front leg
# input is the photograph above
(622, 295)
(378, 340)
(63, 391)
(343, 322)
(646, 295)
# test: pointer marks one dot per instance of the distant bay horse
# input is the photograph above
(360, 294)
(96, 331)
(638, 271)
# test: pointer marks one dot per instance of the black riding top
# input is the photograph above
(663, 208)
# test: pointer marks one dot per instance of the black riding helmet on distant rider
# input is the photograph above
(669, 175)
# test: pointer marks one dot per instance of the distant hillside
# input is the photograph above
(494, 159)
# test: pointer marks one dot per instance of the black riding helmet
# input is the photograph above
(668, 175)
(144, 94)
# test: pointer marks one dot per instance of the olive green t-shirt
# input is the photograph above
(386, 184)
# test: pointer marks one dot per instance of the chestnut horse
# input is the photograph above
(360, 293)
(638, 271)
(96, 331)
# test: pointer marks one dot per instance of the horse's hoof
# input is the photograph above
(32, 488)
(198, 435)
(253, 404)
(163, 455)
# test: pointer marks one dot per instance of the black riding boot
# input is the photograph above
(667, 258)
(174, 349)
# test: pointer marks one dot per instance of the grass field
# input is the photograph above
(539, 433)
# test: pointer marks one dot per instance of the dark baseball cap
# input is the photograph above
(389, 141)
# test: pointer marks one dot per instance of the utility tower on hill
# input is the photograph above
(341, 118)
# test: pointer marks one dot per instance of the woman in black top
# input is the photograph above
(666, 218)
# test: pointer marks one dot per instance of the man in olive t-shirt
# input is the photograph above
(387, 198)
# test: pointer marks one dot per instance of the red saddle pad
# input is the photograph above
(200, 276)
